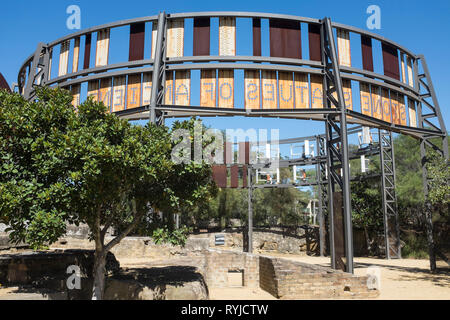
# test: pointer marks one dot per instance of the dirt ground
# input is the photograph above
(404, 279)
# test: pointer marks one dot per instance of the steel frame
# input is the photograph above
(390, 212)
(426, 91)
(35, 72)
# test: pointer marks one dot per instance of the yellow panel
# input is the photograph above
(412, 113)
(182, 88)
(410, 72)
(226, 89)
(316, 91)
(286, 89)
(168, 93)
(146, 88)
(227, 36)
(343, 41)
(386, 105)
(208, 88)
(64, 58)
(402, 61)
(93, 89)
(105, 92)
(394, 108)
(102, 52)
(348, 98)
(366, 103)
(175, 38)
(75, 90)
(119, 93)
(154, 35)
(301, 91)
(76, 55)
(134, 91)
(252, 89)
(402, 109)
(269, 90)
(377, 106)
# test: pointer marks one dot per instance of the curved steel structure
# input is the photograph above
(277, 80)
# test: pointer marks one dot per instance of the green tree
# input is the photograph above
(61, 166)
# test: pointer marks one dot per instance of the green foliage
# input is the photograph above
(60, 166)
(439, 174)
(367, 205)
(174, 237)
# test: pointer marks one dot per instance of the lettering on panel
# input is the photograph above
(146, 88)
(269, 89)
(252, 89)
(366, 103)
(134, 91)
(182, 89)
(119, 93)
(286, 90)
(316, 91)
(226, 88)
(208, 88)
(301, 91)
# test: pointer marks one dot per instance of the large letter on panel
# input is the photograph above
(226, 88)
(269, 89)
(301, 91)
(252, 89)
(208, 88)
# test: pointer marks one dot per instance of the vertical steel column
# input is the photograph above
(39, 69)
(337, 143)
(390, 213)
(159, 68)
(250, 210)
(425, 88)
(322, 191)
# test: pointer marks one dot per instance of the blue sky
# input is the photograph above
(421, 26)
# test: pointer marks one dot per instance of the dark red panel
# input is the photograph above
(87, 51)
(256, 37)
(315, 46)
(244, 176)
(137, 41)
(4, 84)
(390, 61)
(366, 48)
(244, 152)
(235, 176)
(201, 36)
(219, 174)
(228, 153)
(285, 39)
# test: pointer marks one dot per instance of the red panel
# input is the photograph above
(201, 37)
(4, 84)
(315, 47)
(256, 37)
(244, 176)
(244, 152)
(285, 39)
(87, 51)
(366, 48)
(228, 153)
(390, 61)
(137, 41)
(235, 176)
(219, 174)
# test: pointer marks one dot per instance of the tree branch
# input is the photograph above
(137, 219)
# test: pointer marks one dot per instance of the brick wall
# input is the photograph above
(289, 280)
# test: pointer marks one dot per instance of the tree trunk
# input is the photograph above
(429, 229)
(99, 275)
